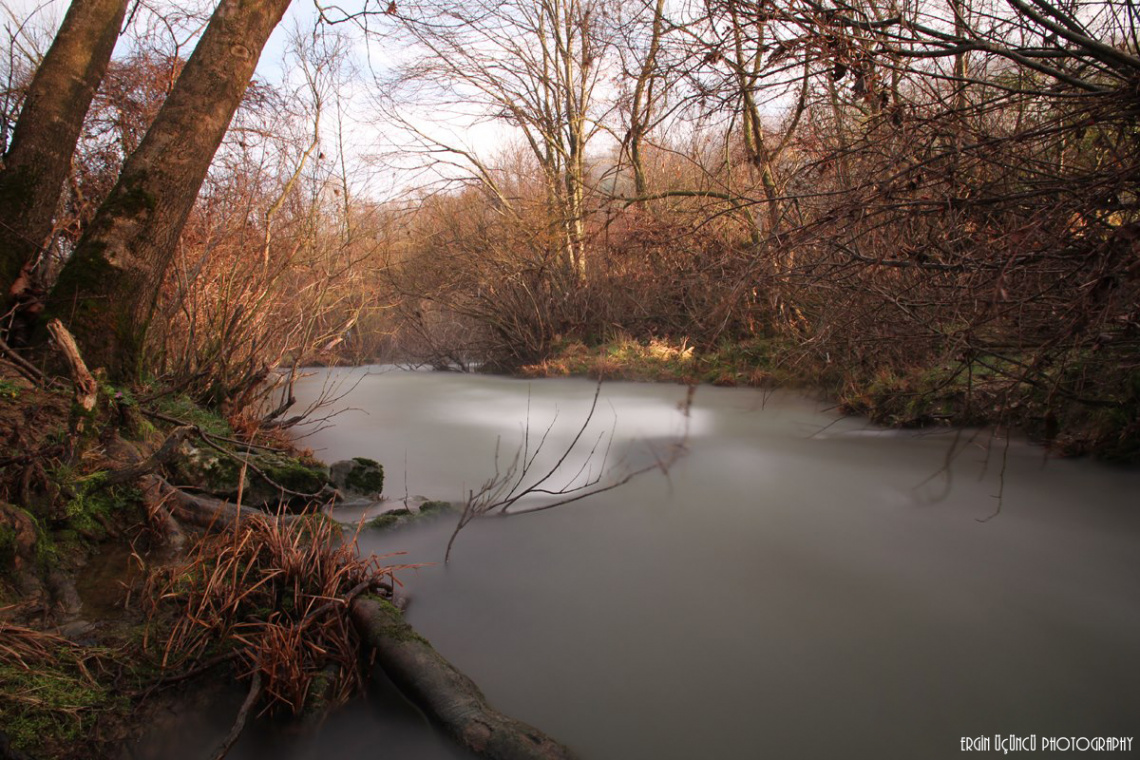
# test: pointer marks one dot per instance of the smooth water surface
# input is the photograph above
(798, 586)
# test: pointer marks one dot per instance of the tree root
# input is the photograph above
(204, 511)
(165, 453)
(450, 699)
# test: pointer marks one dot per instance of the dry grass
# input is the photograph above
(269, 595)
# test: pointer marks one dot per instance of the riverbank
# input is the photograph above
(126, 572)
(977, 390)
(147, 543)
(100, 571)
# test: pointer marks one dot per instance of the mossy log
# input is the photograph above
(450, 699)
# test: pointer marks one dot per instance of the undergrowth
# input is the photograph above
(264, 596)
(754, 363)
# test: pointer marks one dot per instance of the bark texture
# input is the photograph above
(450, 698)
(45, 135)
(107, 291)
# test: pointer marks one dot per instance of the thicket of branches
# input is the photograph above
(930, 206)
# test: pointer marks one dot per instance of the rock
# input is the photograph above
(76, 629)
(359, 477)
(404, 512)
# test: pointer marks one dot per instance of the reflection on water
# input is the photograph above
(797, 587)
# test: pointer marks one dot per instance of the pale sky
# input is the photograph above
(48, 14)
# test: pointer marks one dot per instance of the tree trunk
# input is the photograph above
(640, 112)
(107, 291)
(448, 697)
(48, 128)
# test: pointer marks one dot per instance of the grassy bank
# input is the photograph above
(975, 391)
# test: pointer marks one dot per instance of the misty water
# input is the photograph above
(799, 585)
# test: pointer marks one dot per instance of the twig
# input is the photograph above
(504, 490)
(197, 670)
(242, 716)
(23, 366)
(211, 440)
(343, 601)
(197, 429)
(1000, 496)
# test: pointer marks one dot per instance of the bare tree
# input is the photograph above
(534, 65)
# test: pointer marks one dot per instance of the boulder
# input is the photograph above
(358, 477)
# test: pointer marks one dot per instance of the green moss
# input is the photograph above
(390, 519)
(93, 504)
(132, 198)
(366, 476)
(384, 522)
(296, 475)
(47, 553)
(220, 474)
(436, 507)
(48, 707)
(9, 390)
(183, 408)
(398, 517)
(390, 622)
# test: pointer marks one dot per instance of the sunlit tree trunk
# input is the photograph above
(107, 291)
(47, 131)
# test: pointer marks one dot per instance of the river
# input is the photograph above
(798, 585)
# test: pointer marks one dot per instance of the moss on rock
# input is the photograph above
(359, 476)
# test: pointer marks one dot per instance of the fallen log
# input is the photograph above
(450, 699)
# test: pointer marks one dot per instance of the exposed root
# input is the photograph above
(205, 511)
(164, 454)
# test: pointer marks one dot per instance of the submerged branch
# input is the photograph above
(242, 716)
(450, 698)
(505, 489)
